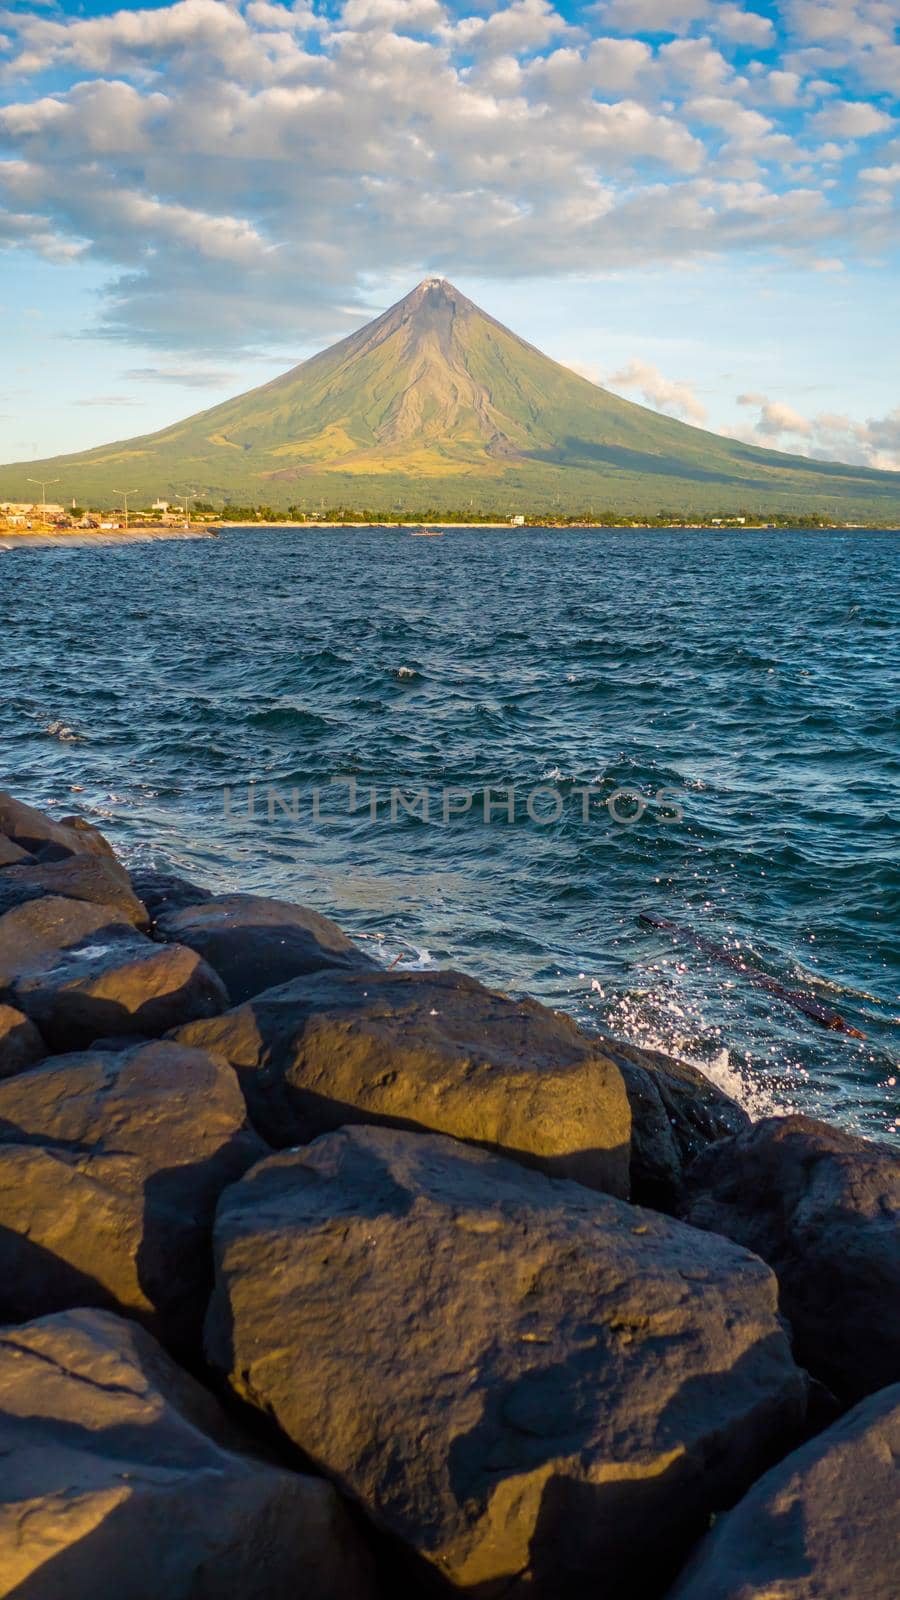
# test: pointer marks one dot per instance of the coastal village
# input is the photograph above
(37, 516)
(39, 519)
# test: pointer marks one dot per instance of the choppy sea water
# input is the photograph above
(752, 677)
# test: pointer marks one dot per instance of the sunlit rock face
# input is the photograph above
(435, 1051)
(123, 1477)
(111, 1163)
(514, 1376)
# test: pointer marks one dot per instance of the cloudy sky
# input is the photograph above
(691, 201)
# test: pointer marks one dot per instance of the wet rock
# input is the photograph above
(676, 1111)
(166, 891)
(80, 971)
(124, 1480)
(255, 944)
(819, 1526)
(537, 1389)
(50, 841)
(110, 1169)
(99, 880)
(821, 1207)
(21, 1045)
(427, 1050)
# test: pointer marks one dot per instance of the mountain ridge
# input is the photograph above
(434, 402)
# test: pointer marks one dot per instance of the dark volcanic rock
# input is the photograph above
(110, 1168)
(821, 1207)
(12, 855)
(428, 1050)
(166, 891)
(820, 1526)
(255, 944)
(51, 841)
(676, 1111)
(99, 880)
(21, 1045)
(124, 1480)
(81, 971)
(532, 1386)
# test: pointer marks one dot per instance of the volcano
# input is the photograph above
(434, 404)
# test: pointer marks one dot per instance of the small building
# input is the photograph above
(517, 521)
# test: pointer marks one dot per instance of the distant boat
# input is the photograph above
(427, 533)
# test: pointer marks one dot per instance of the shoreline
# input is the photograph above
(11, 538)
(565, 527)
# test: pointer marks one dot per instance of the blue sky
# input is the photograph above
(692, 201)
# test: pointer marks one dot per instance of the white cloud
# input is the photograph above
(608, 66)
(399, 15)
(664, 394)
(695, 63)
(521, 26)
(744, 27)
(859, 22)
(851, 119)
(783, 88)
(776, 418)
(653, 16)
(827, 436)
(719, 111)
(887, 176)
(241, 164)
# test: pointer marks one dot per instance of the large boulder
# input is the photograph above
(427, 1050)
(99, 880)
(538, 1390)
(821, 1207)
(21, 1044)
(163, 891)
(254, 943)
(819, 1526)
(31, 830)
(81, 971)
(110, 1169)
(676, 1111)
(124, 1480)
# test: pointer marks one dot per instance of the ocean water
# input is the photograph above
(752, 677)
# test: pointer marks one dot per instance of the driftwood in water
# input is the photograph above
(803, 1002)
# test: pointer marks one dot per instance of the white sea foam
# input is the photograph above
(654, 1020)
(62, 732)
(419, 961)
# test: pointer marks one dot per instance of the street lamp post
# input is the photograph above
(43, 484)
(124, 494)
(185, 501)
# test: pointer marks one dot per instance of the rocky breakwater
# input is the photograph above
(327, 1281)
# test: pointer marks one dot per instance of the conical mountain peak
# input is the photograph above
(439, 285)
(436, 403)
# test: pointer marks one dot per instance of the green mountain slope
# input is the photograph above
(436, 404)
